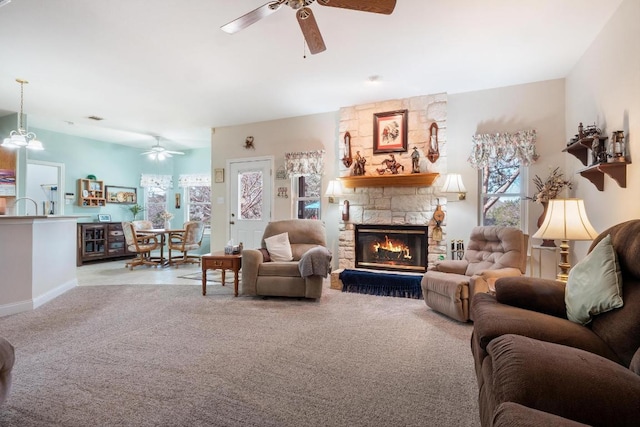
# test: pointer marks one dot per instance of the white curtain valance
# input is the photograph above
(304, 163)
(158, 181)
(487, 148)
(194, 180)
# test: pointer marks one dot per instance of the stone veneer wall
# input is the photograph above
(393, 205)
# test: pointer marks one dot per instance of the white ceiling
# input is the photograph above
(164, 67)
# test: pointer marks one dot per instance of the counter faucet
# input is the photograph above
(35, 204)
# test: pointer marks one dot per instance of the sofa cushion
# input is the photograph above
(279, 247)
(595, 284)
(278, 268)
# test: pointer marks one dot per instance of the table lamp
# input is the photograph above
(453, 184)
(566, 219)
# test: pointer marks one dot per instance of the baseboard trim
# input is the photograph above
(15, 307)
(53, 293)
(27, 305)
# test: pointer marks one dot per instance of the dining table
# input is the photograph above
(164, 235)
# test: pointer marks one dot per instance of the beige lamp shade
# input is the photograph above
(453, 184)
(566, 219)
(334, 190)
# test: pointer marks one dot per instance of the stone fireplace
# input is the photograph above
(393, 205)
(391, 247)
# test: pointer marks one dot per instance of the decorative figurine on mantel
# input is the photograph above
(358, 164)
(415, 161)
(391, 165)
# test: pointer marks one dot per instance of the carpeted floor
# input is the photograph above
(149, 355)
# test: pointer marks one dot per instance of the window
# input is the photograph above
(307, 201)
(155, 204)
(502, 197)
(198, 204)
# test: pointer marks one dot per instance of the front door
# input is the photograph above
(251, 193)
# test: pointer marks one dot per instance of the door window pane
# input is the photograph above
(251, 185)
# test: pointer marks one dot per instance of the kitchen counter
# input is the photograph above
(37, 260)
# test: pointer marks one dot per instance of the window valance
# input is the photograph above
(488, 148)
(194, 180)
(157, 181)
(304, 163)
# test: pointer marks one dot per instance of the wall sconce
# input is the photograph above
(334, 190)
(453, 184)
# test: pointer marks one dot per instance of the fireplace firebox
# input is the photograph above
(392, 247)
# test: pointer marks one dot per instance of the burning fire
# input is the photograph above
(399, 250)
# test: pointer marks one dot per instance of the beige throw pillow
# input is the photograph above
(279, 247)
(595, 284)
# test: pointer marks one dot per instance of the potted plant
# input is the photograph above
(135, 210)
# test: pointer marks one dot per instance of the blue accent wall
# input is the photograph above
(116, 165)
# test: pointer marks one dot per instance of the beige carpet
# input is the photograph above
(167, 356)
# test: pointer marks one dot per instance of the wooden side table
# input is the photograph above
(221, 261)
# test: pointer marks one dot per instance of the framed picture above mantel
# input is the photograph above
(122, 195)
(390, 132)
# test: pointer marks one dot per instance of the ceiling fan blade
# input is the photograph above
(252, 17)
(310, 30)
(146, 152)
(174, 152)
(375, 6)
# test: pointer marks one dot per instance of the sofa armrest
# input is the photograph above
(493, 319)
(511, 414)
(542, 295)
(561, 380)
(457, 266)
(7, 360)
(484, 281)
(251, 260)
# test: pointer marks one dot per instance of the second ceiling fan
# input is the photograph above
(158, 152)
(305, 16)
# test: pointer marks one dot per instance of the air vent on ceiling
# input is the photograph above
(96, 118)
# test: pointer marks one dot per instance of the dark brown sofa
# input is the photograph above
(532, 362)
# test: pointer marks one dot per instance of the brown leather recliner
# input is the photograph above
(527, 352)
(492, 252)
(261, 276)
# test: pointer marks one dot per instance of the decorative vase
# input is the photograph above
(545, 242)
(167, 224)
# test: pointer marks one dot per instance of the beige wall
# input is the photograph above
(604, 88)
(274, 138)
(538, 106)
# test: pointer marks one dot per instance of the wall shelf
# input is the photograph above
(596, 172)
(616, 170)
(404, 180)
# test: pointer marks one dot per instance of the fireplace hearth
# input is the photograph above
(391, 247)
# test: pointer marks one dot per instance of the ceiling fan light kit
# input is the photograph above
(304, 15)
(158, 152)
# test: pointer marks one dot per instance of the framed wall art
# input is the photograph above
(390, 132)
(218, 175)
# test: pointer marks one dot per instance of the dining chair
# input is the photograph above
(184, 241)
(142, 224)
(142, 245)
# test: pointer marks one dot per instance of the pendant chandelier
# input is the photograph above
(22, 138)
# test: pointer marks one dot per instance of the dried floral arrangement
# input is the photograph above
(165, 215)
(551, 187)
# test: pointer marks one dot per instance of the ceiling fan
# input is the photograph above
(158, 152)
(305, 16)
